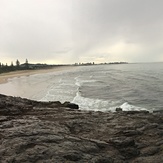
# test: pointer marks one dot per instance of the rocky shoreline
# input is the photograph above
(36, 132)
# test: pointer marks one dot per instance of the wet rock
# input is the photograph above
(137, 112)
(32, 131)
(100, 144)
(159, 143)
(3, 118)
(73, 156)
(131, 132)
(71, 105)
(122, 142)
(150, 159)
(118, 109)
(149, 126)
(149, 151)
(160, 133)
(102, 160)
(158, 111)
(129, 152)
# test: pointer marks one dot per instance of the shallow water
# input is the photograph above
(102, 87)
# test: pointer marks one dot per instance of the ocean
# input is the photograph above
(96, 87)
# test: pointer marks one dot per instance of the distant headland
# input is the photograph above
(4, 68)
(104, 63)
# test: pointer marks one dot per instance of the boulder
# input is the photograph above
(118, 109)
(71, 105)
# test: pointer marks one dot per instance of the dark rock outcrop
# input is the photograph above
(71, 105)
(36, 132)
(118, 109)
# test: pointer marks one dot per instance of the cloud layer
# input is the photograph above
(81, 30)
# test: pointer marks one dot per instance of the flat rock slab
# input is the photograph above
(36, 132)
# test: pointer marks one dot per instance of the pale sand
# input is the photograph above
(5, 76)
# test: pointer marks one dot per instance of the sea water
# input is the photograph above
(96, 87)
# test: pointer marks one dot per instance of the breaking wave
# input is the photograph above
(99, 104)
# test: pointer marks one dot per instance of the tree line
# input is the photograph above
(13, 67)
(25, 66)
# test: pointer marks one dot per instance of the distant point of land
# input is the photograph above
(93, 63)
(4, 68)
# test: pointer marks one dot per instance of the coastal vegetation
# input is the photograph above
(24, 66)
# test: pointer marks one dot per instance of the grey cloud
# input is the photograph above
(73, 30)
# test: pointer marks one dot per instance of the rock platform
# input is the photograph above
(51, 132)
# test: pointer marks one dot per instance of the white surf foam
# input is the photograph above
(127, 107)
(102, 105)
(93, 104)
(79, 82)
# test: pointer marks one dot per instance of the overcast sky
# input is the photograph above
(69, 31)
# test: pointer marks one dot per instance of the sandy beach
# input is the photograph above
(5, 76)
